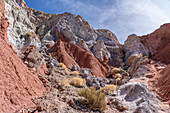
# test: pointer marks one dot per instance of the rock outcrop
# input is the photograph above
(71, 54)
(158, 43)
(20, 24)
(135, 56)
(101, 43)
(139, 99)
(134, 46)
(17, 84)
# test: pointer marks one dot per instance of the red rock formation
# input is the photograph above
(17, 84)
(71, 54)
(158, 43)
(163, 84)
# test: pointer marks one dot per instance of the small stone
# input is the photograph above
(72, 104)
(74, 68)
(102, 84)
(39, 108)
(149, 75)
(121, 108)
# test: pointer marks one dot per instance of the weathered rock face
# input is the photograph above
(114, 50)
(158, 43)
(71, 54)
(17, 84)
(135, 56)
(101, 43)
(162, 84)
(133, 46)
(139, 99)
(18, 16)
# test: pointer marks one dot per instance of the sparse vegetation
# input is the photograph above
(115, 70)
(98, 29)
(62, 65)
(96, 100)
(65, 82)
(28, 34)
(118, 79)
(75, 73)
(67, 72)
(109, 88)
(118, 75)
(78, 82)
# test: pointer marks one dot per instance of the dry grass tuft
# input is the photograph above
(62, 65)
(78, 82)
(65, 82)
(96, 100)
(75, 73)
(115, 70)
(109, 88)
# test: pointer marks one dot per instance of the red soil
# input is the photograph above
(163, 84)
(17, 84)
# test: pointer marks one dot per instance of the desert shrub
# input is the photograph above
(62, 65)
(109, 88)
(115, 70)
(118, 79)
(65, 82)
(75, 73)
(98, 29)
(67, 72)
(28, 34)
(117, 75)
(96, 100)
(78, 82)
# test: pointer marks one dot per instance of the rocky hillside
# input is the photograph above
(60, 63)
(18, 84)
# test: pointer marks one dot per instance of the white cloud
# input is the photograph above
(122, 17)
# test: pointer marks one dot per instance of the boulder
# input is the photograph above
(138, 98)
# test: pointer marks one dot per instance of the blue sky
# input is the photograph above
(122, 17)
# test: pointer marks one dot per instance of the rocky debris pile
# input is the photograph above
(17, 84)
(35, 60)
(136, 55)
(158, 43)
(61, 94)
